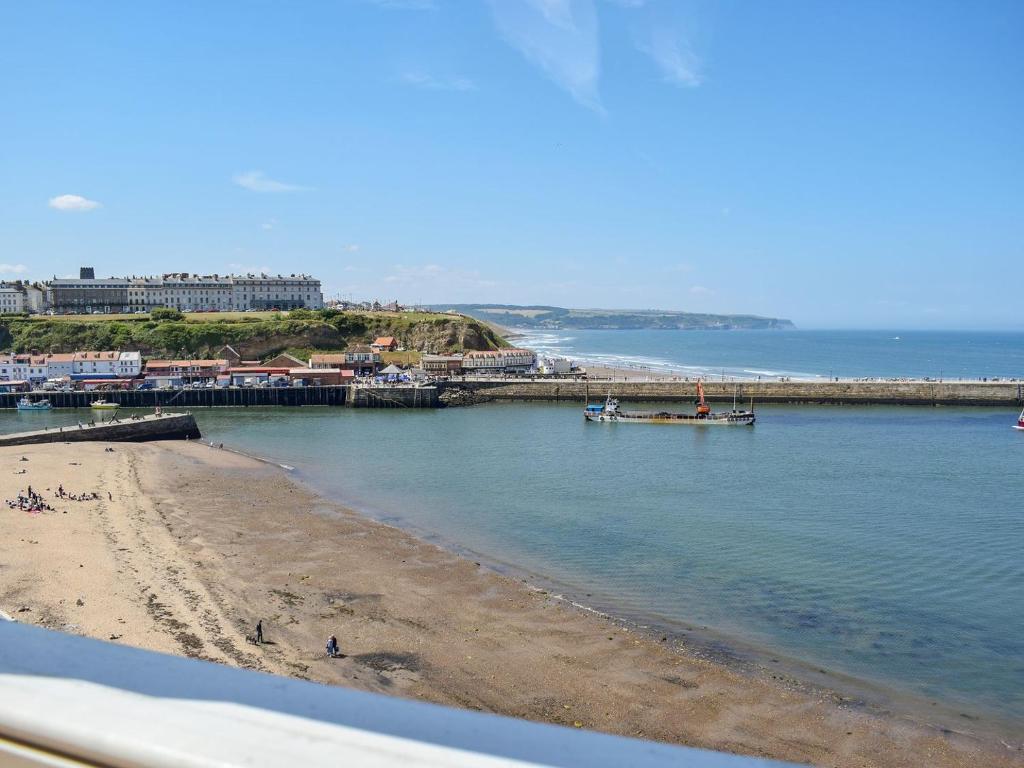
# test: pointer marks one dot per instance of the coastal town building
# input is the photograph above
(107, 363)
(499, 361)
(60, 364)
(12, 300)
(360, 358)
(385, 344)
(554, 365)
(441, 365)
(285, 360)
(79, 365)
(319, 377)
(162, 371)
(87, 294)
(17, 297)
(30, 368)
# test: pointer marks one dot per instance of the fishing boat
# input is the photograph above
(104, 405)
(1020, 421)
(28, 405)
(610, 412)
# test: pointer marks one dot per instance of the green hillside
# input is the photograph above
(254, 335)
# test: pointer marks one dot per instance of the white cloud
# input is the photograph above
(350, 248)
(559, 36)
(72, 203)
(700, 290)
(674, 55)
(257, 181)
(431, 83)
(13, 269)
(269, 224)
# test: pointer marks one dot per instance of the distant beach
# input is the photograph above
(193, 545)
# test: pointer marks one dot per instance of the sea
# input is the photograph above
(876, 550)
(751, 355)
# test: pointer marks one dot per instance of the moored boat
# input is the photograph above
(610, 412)
(24, 404)
(104, 405)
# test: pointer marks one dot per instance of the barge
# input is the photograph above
(610, 412)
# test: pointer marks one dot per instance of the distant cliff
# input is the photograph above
(255, 337)
(511, 316)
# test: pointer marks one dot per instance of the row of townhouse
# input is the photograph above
(282, 370)
(499, 361)
(35, 368)
(88, 294)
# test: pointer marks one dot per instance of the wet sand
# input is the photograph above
(197, 544)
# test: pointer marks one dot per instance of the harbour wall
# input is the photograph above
(1002, 394)
(242, 397)
(392, 397)
(822, 393)
(166, 427)
(192, 398)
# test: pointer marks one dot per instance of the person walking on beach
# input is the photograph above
(332, 647)
(259, 631)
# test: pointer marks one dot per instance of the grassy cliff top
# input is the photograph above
(254, 335)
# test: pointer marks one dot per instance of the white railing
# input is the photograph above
(68, 700)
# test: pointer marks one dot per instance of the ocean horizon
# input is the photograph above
(798, 354)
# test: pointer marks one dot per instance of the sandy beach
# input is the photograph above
(187, 547)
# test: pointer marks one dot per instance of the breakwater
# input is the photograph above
(171, 426)
(812, 392)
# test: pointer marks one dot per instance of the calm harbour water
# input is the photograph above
(881, 543)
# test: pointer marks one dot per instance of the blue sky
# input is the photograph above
(853, 164)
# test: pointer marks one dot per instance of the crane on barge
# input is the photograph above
(703, 409)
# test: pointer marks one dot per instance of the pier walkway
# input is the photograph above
(168, 426)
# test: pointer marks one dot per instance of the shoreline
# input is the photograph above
(206, 545)
(732, 651)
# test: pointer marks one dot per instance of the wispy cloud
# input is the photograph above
(431, 83)
(258, 181)
(350, 248)
(700, 290)
(674, 55)
(13, 269)
(404, 5)
(560, 37)
(269, 224)
(73, 203)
